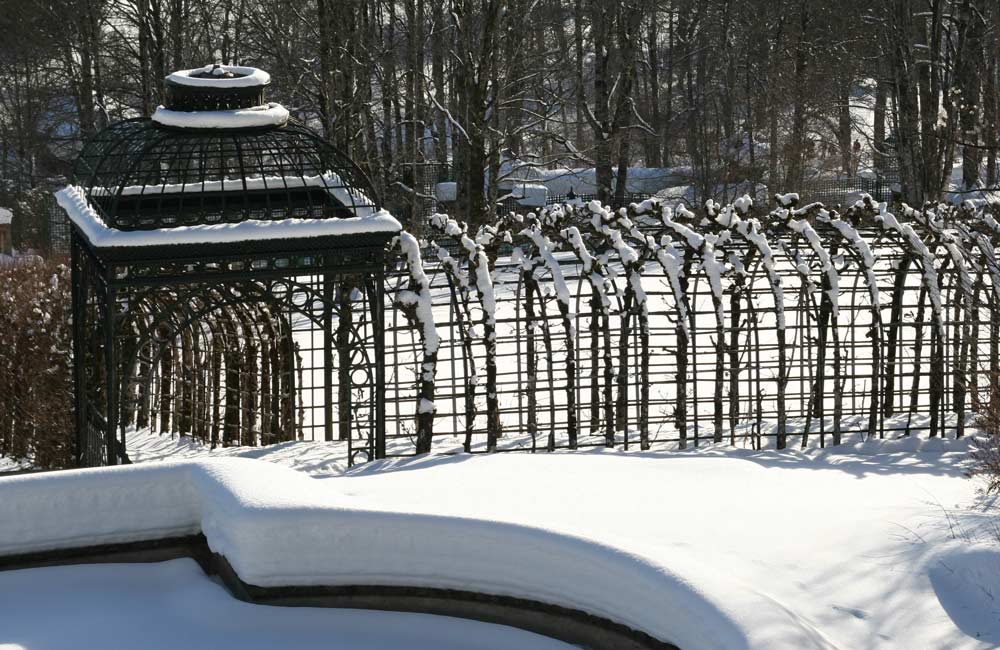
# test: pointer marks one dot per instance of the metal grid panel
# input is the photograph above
(139, 175)
(883, 371)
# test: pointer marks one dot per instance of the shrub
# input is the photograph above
(36, 381)
(986, 449)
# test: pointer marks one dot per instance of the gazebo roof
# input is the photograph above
(218, 165)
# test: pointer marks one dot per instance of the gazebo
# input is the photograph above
(227, 271)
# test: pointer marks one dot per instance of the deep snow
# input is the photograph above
(870, 545)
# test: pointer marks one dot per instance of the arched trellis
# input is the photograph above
(238, 350)
(217, 246)
(844, 285)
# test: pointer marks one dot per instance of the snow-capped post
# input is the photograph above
(701, 249)
(478, 279)
(532, 292)
(415, 303)
(671, 260)
(786, 217)
(799, 220)
(717, 222)
(544, 248)
(597, 275)
(608, 225)
(847, 227)
(535, 322)
(732, 218)
(458, 280)
(931, 220)
(917, 250)
(981, 229)
(640, 250)
(752, 231)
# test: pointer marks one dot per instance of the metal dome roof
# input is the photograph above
(143, 174)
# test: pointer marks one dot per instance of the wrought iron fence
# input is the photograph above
(854, 327)
(843, 191)
(791, 328)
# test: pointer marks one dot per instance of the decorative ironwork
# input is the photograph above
(140, 175)
(245, 343)
(818, 329)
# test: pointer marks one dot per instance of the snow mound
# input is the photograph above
(278, 527)
(966, 580)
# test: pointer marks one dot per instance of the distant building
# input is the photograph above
(6, 244)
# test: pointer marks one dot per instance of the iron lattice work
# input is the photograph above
(140, 175)
(240, 349)
(232, 341)
(818, 328)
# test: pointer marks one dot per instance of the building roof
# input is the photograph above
(5, 216)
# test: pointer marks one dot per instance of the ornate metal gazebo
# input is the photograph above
(227, 276)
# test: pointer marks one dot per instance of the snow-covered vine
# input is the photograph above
(415, 303)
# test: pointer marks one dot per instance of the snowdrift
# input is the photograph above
(279, 528)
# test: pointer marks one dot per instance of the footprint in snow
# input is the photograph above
(853, 611)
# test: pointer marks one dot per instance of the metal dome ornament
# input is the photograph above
(227, 276)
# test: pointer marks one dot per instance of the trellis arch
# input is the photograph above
(221, 221)
(847, 284)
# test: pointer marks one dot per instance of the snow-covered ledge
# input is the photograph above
(241, 118)
(244, 76)
(277, 527)
(73, 200)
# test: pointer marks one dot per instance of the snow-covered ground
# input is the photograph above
(882, 544)
(866, 547)
(174, 605)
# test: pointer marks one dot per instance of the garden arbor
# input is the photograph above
(227, 276)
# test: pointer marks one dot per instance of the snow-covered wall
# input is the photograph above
(278, 527)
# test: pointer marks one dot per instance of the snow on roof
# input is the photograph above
(329, 180)
(270, 115)
(530, 194)
(247, 77)
(73, 200)
(447, 191)
(5, 216)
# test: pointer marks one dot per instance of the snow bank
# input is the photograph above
(561, 180)
(96, 506)
(966, 577)
(809, 548)
(278, 527)
(74, 202)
